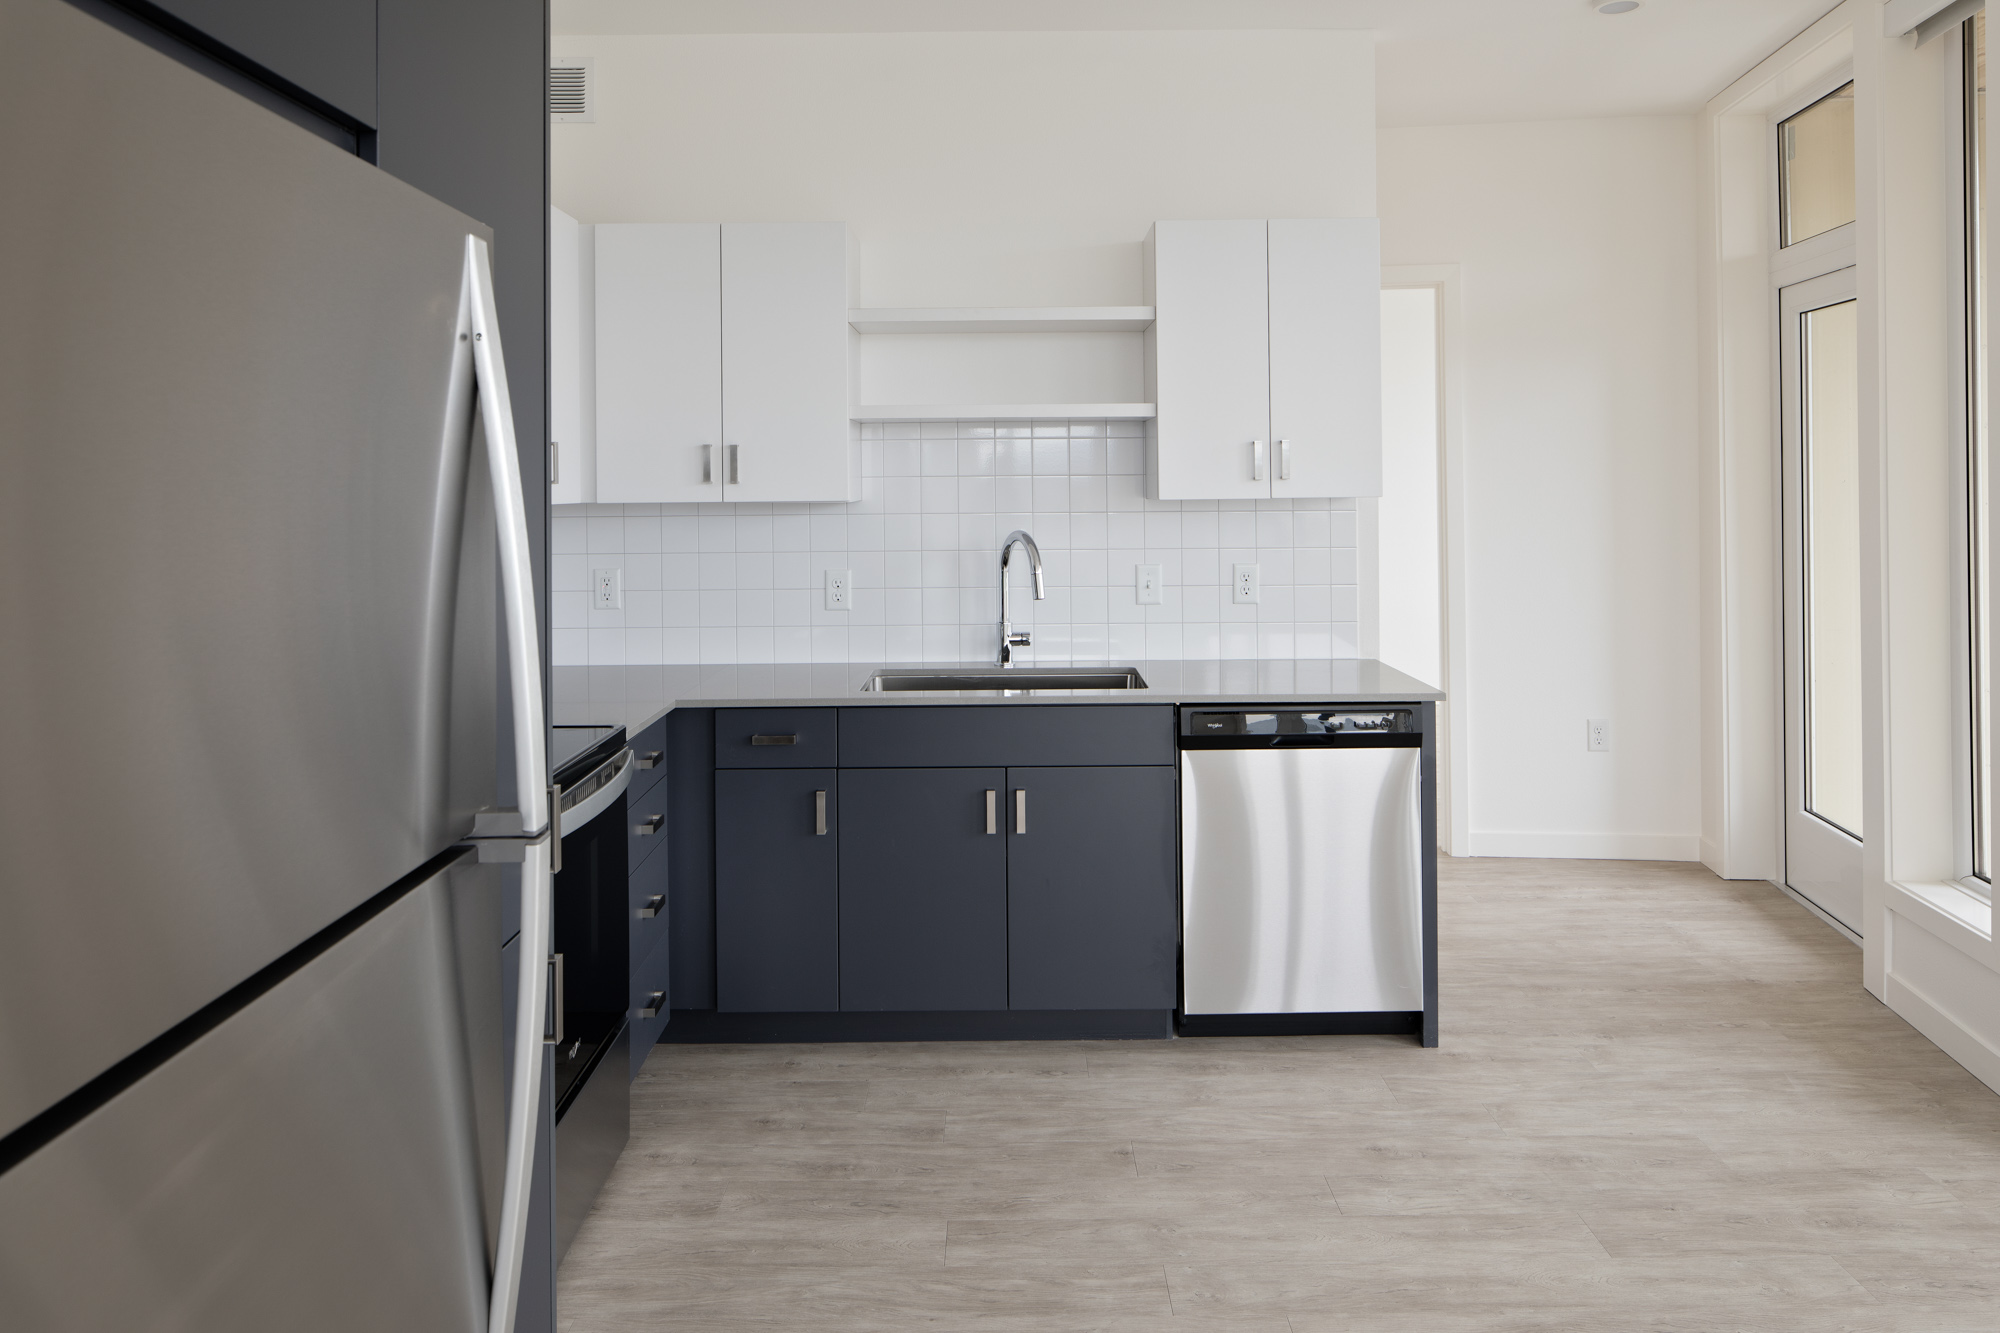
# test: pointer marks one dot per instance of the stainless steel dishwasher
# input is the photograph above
(1302, 871)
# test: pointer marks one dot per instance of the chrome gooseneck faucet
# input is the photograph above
(1009, 640)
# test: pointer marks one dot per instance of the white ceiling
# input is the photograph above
(1442, 62)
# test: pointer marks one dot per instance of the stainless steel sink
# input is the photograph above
(1009, 679)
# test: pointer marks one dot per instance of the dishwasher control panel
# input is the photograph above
(1301, 722)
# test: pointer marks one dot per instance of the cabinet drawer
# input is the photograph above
(648, 905)
(1000, 736)
(778, 737)
(649, 758)
(649, 980)
(645, 811)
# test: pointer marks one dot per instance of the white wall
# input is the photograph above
(976, 168)
(1576, 242)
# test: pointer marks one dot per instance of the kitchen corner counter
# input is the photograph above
(638, 696)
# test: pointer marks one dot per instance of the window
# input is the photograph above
(1816, 168)
(1978, 521)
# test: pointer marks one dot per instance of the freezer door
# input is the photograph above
(325, 1159)
(240, 689)
(1301, 881)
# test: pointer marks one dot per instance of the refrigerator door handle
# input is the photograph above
(485, 368)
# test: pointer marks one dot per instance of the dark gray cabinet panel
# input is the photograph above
(1091, 902)
(650, 987)
(649, 758)
(645, 822)
(923, 890)
(326, 48)
(649, 901)
(1053, 734)
(776, 891)
(777, 737)
(691, 855)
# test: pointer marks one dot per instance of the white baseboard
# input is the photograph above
(1591, 846)
(1952, 1037)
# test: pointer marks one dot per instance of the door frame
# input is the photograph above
(1454, 713)
(1820, 857)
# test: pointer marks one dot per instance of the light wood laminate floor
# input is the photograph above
(1663, 1102)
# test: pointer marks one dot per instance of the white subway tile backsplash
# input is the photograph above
(721, 583)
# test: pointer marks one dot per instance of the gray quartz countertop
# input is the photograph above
(638, 696)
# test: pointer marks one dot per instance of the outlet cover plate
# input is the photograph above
(1245, 585)
(839, 589)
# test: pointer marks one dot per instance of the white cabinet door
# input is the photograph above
(784, 357)
(568, 466)
(1209, 361)
(1326, 357)
(659, 362)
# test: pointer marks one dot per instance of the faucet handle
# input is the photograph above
(1020, 638)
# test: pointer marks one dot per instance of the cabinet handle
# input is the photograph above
(648, 826)
(653, 906)
(992, 811)
(819, 814)
(555, 829)
(651, 759)
(654, 1003)
(1256, 460)
(1020, 809)
(1284, 460)
(734, 478)
(707, 464)
(555, 463)
(792, 739)
(552, 1029)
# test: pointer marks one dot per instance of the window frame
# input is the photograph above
(1815, 254)
(1971, 803)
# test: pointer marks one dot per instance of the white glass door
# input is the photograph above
(1823, 797)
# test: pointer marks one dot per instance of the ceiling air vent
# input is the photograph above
(572, 99)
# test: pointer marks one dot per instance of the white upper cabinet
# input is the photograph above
(1208, 361)
(1265, 359)
(785, 362)
(659, 362)
(722, 362)
(1326, 357)
(571, 454)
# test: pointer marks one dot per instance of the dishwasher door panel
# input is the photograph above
(1301, 874)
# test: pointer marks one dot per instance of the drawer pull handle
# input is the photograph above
(653, 906)
(1020, 809)
(992, 811)
(651, 759)
(819, 814)
(654, 1003)
(552, 1026)
(792, 739)
(648, 826)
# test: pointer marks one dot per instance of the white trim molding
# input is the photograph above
(1589, 846)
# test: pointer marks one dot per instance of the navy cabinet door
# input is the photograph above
(1091, 902)
(923, 890)
(776, 891)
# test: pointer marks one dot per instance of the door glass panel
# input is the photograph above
(1816, 168)
(1832, 565)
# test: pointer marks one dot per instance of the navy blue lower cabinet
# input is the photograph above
(923, 889)
(777, 878)
(1092, 920)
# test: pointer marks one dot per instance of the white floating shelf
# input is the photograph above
(1005, 319)
(1001, 411)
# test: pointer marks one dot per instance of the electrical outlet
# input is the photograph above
(839, 589)
(1148, 586)
(1597, 734)
(1244, 587)
(607, 589)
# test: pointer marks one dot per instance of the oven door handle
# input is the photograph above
(591, 806)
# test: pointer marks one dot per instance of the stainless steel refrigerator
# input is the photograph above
(267, 645)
